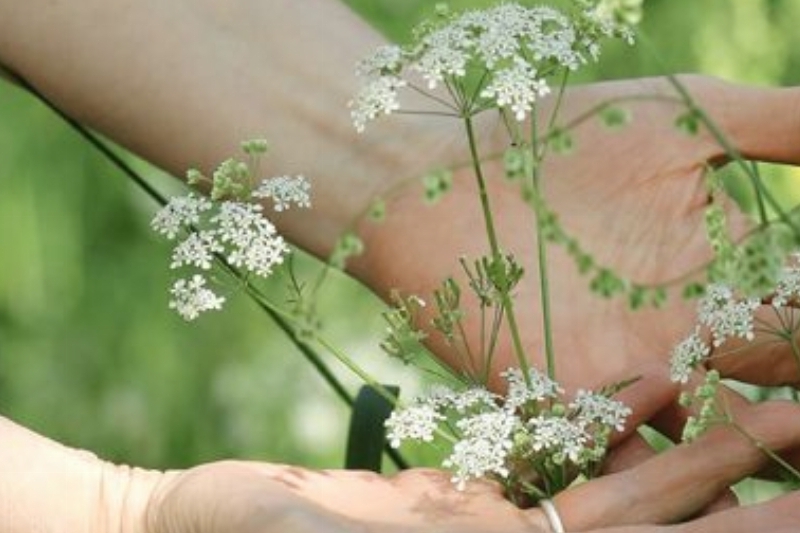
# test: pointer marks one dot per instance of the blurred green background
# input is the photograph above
(90, 354)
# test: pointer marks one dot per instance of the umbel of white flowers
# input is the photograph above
(723, 313)
(233, 228)
(493, 434)
(500, 57)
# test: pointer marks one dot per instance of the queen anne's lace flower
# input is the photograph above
(559, 435)
(484, 447)
(595, 408)
(196, 250)
(539, 387)
(725, 315)
(788, 288)
(179, 213)
(192, 297)
(417, 422)
(285, 191)
(377, 98)
(386, 59)
(510, 48)
(516, 87)
(445, 54)
(689, 353)
(254, 243)
(474, 397)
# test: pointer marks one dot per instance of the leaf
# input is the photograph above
(367, 435)
(615, 117)
(689, 123)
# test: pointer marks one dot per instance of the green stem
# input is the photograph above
(494, 245)
(764, 448)
(762, 193)
(541, 242)
(795, 348)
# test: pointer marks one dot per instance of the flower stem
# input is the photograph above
(761, 446)
(494, 246)
(541, 242)
(795, 348)
(541, 246)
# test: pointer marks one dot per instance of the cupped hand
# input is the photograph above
(250, 497)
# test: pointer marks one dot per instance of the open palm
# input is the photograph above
(633, 197)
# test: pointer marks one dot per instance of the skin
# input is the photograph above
(635, 196)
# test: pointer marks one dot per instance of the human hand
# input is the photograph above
(634, 198)
(243, 497)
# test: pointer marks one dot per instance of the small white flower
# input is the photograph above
(558, 435)
(416, 422)
(484, 447)
(475, 458)
(689, 353)
(520, 393)
(439, 397)
(179, 213)
(473, 397)
(192, 297)
(516, 87)
(489, 425)
(788, 287)
(597, 408)
(197, 250)
(254, 243)
(285, 191)
(378, 97)
(445, 55)
(725, 315)
(387, 58)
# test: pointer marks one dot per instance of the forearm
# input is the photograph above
(183, 82)
(47, 487)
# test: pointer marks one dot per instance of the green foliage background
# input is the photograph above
(91, 356)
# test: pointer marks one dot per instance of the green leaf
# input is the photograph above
(437, 183)
(377, 211)
(561, 142)
(367, 435)
(689, 123)
(615, 117)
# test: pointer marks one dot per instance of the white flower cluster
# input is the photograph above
(687, 355)
(722, 315)
(495, 434)
(285, 191)
(233, 229)
(788, 289)
(512, 49)
(599, 409)
(725, 315)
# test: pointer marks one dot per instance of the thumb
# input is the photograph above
(761, 123)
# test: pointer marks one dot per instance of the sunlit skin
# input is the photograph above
(224, 73)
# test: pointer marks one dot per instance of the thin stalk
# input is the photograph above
(507, 303)
(764, 448)
(795, 348)
(762, 193)
(541, 243)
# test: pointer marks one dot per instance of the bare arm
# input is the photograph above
(181, 83)
(45, 486)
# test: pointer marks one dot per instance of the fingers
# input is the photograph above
(767, 360)
(682, 481)
(635, 450)
(632, 451)
(762, 123)
(777, 516)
